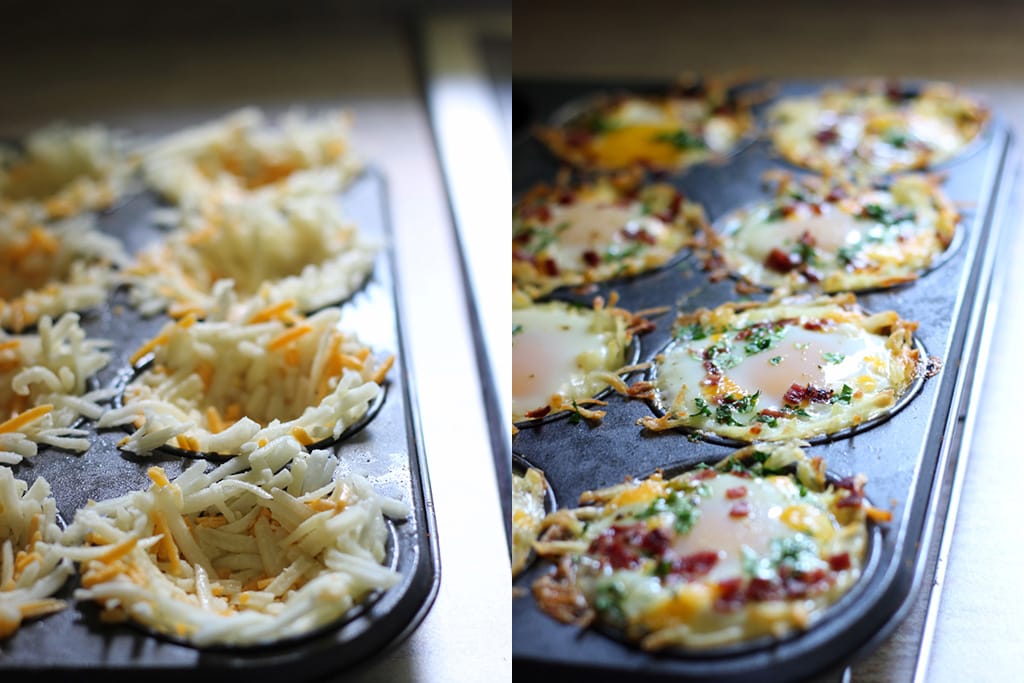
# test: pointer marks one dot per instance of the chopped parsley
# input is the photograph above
(723, 416)
(844, 396)
(764, 337)
(692, 332)
(776, 360)
(517, 329)
(575, 418)
(541, 239)
(897, 138)
(794, 410)
(679, 506)
(887, 216)
(847, 254)
(608, 600)
(620, 253)
(777, 213)
(834, 358)
(768, 420)
(703, 409)
(682, 139)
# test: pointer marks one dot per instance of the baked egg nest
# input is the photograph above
(876, 126)
(564, 355)
(694, 122)
(794, 368)
(837, 236)
(612, 227)
(224, 388)
(759, 546)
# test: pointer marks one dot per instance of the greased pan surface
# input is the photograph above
(902, 456)
(387, 451)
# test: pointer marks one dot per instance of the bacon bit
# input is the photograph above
(798, 584)
(771, 412)
(705, 474)
(27, 417)
(781, 261)
(549, 267)
(740, 509)
(591, 258)
(542, 212)
(736, 492)
(835, 195)
(827, 136)
(730, 595)
(692, 566)
(848, 483)
(854, 500)
(539, 412)
(762, 590)
(839, 562)
(623, 546)
(796, 394)
(817, 325)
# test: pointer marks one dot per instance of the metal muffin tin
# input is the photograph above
(904, 457)
(386, 450)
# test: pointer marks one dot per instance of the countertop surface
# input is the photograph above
(979, 628)
(155, 84)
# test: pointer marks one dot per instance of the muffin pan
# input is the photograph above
(904, 455)
(384, 447)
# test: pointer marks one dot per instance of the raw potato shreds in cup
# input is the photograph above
(30, 570)
(271, 250)
(223, 388)
(247, 553)
(53, 269)
(243, 154)
(43, 388)
(63, 171)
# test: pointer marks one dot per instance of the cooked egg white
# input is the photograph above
(788, 371)
(563, 354)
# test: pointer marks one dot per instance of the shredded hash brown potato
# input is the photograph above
(63, 171)
(43, 388)
(244, 154)
(224, 388)
(52, 269)
(30, 570)
(298, 248)
(247, 553)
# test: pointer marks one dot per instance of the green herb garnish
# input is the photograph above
(682, 139)
(776, 360)
(845, 395)
(834, 358)
(517, 329)
(703, 409)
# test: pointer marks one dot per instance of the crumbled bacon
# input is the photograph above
(730, 595)
(623, 546)
(736, 492)
(566, 197)
(591, 258)
(854, 500)
(816, 325)
(827, 136)
(781, 261)
(835, 195)
(692, 566)
(539, 412)
(797, 394)
(771, 412)
(839, 562)
(740, 509)
(797, 584)
(706, 473)
(541, 212)
(550, 267)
